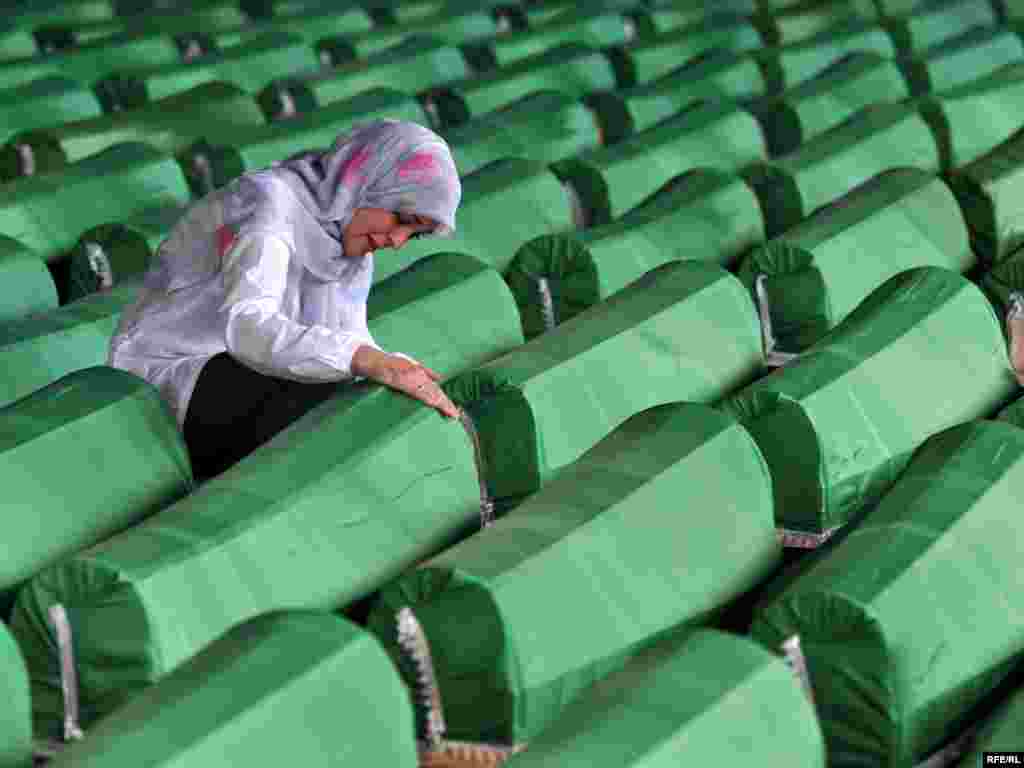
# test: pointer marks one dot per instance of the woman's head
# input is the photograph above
(381, 184)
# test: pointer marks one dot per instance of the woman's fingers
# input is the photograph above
(432, 373)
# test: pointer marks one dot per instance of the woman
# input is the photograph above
(255, 306)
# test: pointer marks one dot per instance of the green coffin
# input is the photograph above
(47, 213)
(801, 21)
(545, 126)
(688, 326)
(119, 455)
(26, 287)
(704, 698)
(280, 688)
(213, 110)
(807, 110)
(611, 180)
(991, 193)
(1001, 733)
(798, 62)
(47, 101)
(888, 620)
(820, 270)
(657, 525)
(504, 204)
(932, 23)
(702, 215)
(961, 59)
(822, 170)
(16, 713)
(923, 352)
(214, 162)
(596, 28)
(571, 68)
(39, 349)
(249, 66)
(411, 66)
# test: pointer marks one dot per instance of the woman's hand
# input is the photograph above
(415, 380)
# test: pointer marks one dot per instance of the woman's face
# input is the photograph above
(374, 228)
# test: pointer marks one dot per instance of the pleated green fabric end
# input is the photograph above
(887, 620)
(47, 101)
(26, 287)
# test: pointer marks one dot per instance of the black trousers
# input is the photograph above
(234, 410)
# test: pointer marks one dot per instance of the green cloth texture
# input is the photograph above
(888, 619)
(216, 111)
(991, 193)
(26, 287)
(720, 75)
(798, 62)
(16, 713)
(1013, 413)
(683, 700)
(504, 204)
(702, 215)
(39, 349)
(249, 66)
(821, 269)
(825, 168)
(824, 101)
(282, 688)
(611, 180)
(597, 28)
(89, 63)
(801, 21)
(674, 505)
(689, 326)
(545, 126)
(43, 102)
(118, 453)
(411, 66)
(932, 23)
(258, 145)
(109, 254)
(571, 68)
(922, 352)
(954, 115)
(1001, 733)
(652, 57)
(48, 213)
(361, 488)
(961, 59)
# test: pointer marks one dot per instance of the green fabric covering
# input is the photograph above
(209, 164)
(40, 349)
(282, 688)
(719, 75)
(571, 68)
(595, 28)
(545, 126)
(658, 17)
(314, 27)
(607, 528)
(214, 110)
(932, 23)
(801, 61)
(924, 351)
(43, 11)
(48, 213)
(47, 101)
(249, 66)
(16, 43)
(1013, 413)
(1003, 279)
(1001, 733)
(25, 284)
(611, 180)
(821, 269)
(806, 20)
(991, 194)
(954, 115)
(683, 701)
(702, 215)
(119, 454)
(888, 620)
(16, 713)
(652, 57)
(689, 326)
(825, 168)
(89, 63)
(108, 254)
(961, 59)
(504, 204)
(411, 66)
(809, 109)
(353, 493)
